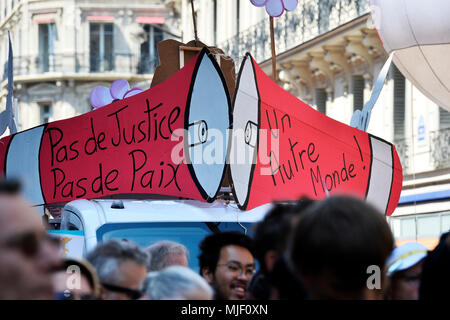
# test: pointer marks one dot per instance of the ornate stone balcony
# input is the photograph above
(311, 19)
(440, 148)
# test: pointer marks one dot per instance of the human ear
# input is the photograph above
(270, 258)
(207, 275)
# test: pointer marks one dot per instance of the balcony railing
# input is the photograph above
(311, 19)
(147, 65)
(80, 63)
(440, 148)
(403, 147)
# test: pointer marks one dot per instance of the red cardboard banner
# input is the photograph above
(282, 149)
(141, 144)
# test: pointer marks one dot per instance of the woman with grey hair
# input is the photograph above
(163, 254)
(177, 283)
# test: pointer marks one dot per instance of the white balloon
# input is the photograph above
(419, 34)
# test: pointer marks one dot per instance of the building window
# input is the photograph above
(46, 113)
(149, 54)
(445, 223)
(101, 49)
(428, 226)
(399, 104)
(408, 228)
(47, 37)
(215, 20)
(238, 15)
(320, 100)
(444, 119)
(357, 86)
(420, 226)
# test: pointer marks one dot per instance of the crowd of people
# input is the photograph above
(338, 248)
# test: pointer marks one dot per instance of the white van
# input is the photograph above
(148, 221)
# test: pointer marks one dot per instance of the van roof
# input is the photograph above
(164, 211)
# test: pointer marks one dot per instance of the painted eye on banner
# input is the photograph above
(244, 140)
(207, 121)
(251, 134)
(198, 133)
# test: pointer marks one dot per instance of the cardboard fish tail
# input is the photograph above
(282, 149)
(147, 143)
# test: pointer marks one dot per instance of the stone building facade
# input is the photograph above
(64, 48)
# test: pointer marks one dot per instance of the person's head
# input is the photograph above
(227, 264)
(284, 283)
(177, 283)
(259, 287)
(435, 280)
(26, 250)
(121, 268)
(336, 244)
(271, 234)
(404, 268)
(76, 280)
(163, 254)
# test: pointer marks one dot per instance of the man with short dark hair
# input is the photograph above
(275, 280)
(227, 264)
(121, 268)
(336, 244)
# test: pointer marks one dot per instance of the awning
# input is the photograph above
(44, 18)
(100, 18)
(150, 20)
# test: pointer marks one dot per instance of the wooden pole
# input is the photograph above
(274, 56)
(195, 22)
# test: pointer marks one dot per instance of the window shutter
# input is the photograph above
(358, 92)
(321, 100)
(444, 119)
(399, 103)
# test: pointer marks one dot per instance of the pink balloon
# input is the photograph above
(274, 8)
(100, 96)
(132, 92)
(290, 5)
(258, 3)
(119, 88)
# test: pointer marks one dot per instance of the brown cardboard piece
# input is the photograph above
(169, 57)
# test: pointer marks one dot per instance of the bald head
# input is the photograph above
(17, 215)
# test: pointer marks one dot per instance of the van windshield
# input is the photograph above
(190, 234)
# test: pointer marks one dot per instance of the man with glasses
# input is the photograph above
(121, 268)
(28, 257)
(227, 263)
